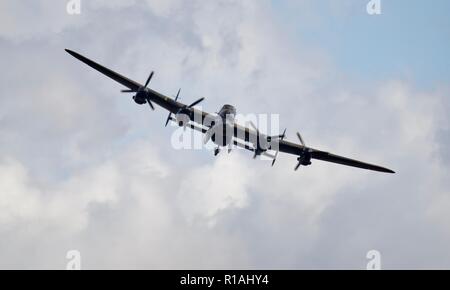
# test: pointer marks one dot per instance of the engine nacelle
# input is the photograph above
(140, 98)
(305, 159)
(182, 119)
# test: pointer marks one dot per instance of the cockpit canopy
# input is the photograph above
(227, 110)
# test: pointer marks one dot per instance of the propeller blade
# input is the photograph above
(128, 91)
(298, 165)
(208, 135)
(168, 119)
(149, 78)
(300, 138)
(283, 135)
(170, 114)
(275, 158)
(196, 102)
(150, 104)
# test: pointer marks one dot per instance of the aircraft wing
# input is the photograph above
(247, 134)
(325, 156)
(132, 85)
(164, 101)
(292, 148)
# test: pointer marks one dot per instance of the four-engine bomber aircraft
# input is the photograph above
(232, 133)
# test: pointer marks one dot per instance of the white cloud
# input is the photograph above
(208, 190)
(19, 200)
(24, 20)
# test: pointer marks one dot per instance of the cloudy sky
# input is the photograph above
(83, 167)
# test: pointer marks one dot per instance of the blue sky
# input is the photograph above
(410, 39)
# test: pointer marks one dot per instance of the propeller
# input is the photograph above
(208, 135)
(270, 138)
(300, 158)
(195, 103)
(258, 151)
(301, 139)
(150, 104)
(149, 79)
(278, 149)
(143, 89)
(257, 136)
(185, 111)
(170, 113)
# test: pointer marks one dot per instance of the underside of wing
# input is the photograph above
(299, 150)
(132, 85)
(167, 103)
(325, 156)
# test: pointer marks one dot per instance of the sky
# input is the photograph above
(82, 167)
(409, 38)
